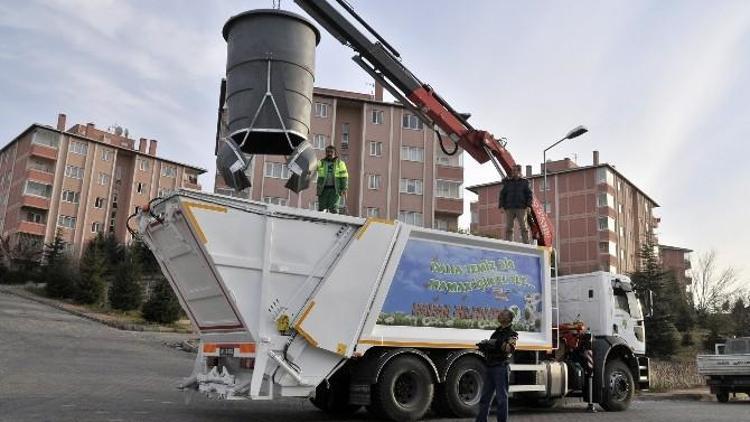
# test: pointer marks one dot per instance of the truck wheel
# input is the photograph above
(404, 390)
(722, 396)
(618, 386)
(459, 395)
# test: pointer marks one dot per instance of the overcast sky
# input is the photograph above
(663, 86)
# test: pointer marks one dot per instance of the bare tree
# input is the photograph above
(712, 286)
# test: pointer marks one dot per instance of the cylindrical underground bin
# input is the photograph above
(286, 42)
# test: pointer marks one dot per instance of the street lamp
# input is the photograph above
(574, 133)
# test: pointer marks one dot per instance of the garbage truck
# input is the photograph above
(354, 312)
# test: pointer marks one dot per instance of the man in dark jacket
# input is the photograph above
(497, 350)
(515, 199)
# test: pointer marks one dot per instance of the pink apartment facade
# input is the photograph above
(677, 260)
(396, 167)
(602, 218)
(82, 181)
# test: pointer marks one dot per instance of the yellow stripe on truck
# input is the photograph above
(188, 212)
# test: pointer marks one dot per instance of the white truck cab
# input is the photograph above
(606, 303)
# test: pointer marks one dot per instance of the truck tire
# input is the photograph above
(618, 386)
(404, 390)
(722, 396)
(459, 395)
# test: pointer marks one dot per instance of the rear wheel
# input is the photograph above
(459, 395)
(404, 390)
(618, 387)
(722, 396)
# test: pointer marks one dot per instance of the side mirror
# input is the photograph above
(649, 303)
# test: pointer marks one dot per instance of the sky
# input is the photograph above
(663, 86)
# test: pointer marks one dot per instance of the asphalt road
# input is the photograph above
(58, 367)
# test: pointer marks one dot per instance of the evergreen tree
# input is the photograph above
(661, 334)
(93, 267)
(57, 269)
(162, 307)
(740, 317)
(126, 290)
(62, 279)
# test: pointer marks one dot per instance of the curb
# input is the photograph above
(91, 317)
(675, 396)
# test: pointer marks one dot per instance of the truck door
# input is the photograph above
(627, 321)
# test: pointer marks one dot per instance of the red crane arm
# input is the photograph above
(383, 63)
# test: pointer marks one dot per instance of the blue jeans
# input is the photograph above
(496, 379)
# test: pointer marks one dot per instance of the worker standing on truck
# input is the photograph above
(333, 179)
(497, 350)
(515, 199)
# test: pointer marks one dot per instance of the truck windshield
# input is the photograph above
(635, 306)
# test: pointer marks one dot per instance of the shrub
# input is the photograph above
(162, 307)
(126, 291)
(61, 278)
(93, 267)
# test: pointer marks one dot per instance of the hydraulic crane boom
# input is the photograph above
(382, 62)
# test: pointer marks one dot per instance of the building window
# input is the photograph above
(190, 178)
(66, 221)
(104, 179)
(603, 175)
(35, 217)
(276, 170)
(412, 186)
(345, 135)
(548, 207)
(274, 200)
(412, 122)
(373, 181)
(320, 141)
(141, 187)
(474, 217)
(96, 227)
(106, 154)
(74, 172)
(456, 160)
(169, 171)
(606, 200)
(376, 149)
(377, 117)
(607, 223)
(412, 154)
(448, 189)
(70, 196)
(321, 110)
(372, 212)
(37, 189)
(39, 165)
(440, 224)
(77, 147)
(410, 217)
(99, 202)
(45, 138)
(143, 164)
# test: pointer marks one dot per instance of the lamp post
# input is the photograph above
(574, 133)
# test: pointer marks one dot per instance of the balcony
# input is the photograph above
(29, 227)
(449, 206)
(35, 202)
(40, 176)
(43, 151)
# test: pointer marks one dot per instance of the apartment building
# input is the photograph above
(396, 167)
(82, 180)
(677, 260)
(601, 218)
